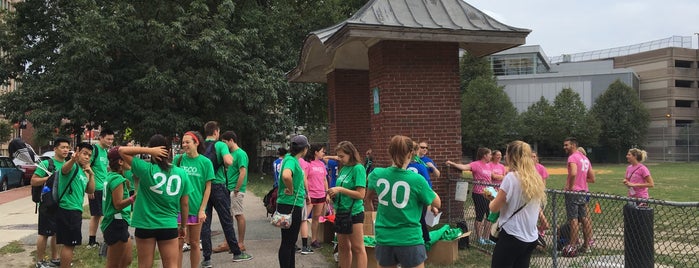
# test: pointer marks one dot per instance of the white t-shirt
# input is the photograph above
(523, 224)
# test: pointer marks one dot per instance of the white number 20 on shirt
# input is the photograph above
(386, 187)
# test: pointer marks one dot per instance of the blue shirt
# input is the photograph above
(427, 159)
(276, 166)
(422, 170)
(332, 172)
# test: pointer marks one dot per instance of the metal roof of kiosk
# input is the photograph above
(345, 45)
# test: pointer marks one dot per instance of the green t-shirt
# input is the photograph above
(299, 195)
(158, 199)
(199, 170)
(240, 160)
(100, 167)
(221, 151)
(41, 173)
(350, 177)
(110, 212)
(74, 194)
(129, 176)
(402, 196)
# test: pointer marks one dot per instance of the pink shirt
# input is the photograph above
(542, 171)
(637, 174)
(316, 172)
(499, 169)
(583, 165)
(481, 172)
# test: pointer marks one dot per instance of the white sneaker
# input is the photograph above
(186, 247)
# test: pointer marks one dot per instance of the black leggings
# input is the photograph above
(511, 252)
(287, 250)
(481, 205)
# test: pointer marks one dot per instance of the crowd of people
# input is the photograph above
(169, 200)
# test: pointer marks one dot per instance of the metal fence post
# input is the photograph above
(554, 223)
(638, 236)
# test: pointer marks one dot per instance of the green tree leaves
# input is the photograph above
(623, 118)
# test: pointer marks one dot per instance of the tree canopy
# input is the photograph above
(163, 66)
(623, 118)
(573, 119)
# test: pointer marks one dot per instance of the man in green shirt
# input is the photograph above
(219, 199)
(237, 181)
(47, 219)
(76, 179)
(99, 163)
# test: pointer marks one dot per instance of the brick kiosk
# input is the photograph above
(393, 68)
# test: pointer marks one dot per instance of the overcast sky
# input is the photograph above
(567, 26)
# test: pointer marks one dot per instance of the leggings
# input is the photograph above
(287, 250)
(511, 252)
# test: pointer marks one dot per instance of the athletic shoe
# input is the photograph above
(242, 257)
(56, 262)
(336, 256)
(315, 244)
(206, 264)
(186, 247)
(481, 241)
(44, 264)
(93, 245)
(306, 250)
(569, 251)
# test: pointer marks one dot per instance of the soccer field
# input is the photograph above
(673, 181)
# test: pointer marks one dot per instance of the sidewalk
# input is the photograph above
(262, 239)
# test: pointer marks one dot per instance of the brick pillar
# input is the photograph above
(348, 109)
(419, 97)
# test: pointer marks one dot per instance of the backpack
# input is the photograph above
(95, 154)
(36, 190)
(50, 199)
(210, 153)
(270, 201)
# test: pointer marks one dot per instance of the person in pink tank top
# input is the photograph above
(317, 187)
(579, 174)
(499, 170)
(482, 172)
(637, 177)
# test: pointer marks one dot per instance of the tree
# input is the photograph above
(471, 67)
(487, 116)
(623, 118)
(537, 122)
(163, 67)
(573, 119)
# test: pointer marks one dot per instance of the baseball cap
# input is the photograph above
(113, 154)
(300, 140)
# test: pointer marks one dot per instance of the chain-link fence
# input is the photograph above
(625, 232)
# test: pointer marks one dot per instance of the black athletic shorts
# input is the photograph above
(96, 204)
(117, 231)
(47, 223)
(68, 227)
(158, 234)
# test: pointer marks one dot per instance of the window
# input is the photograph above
(683, 123)
(683, 83)
(683, 103)
(683, 64)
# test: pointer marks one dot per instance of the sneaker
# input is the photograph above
(93, 245)
(56, 262)
(206, 264)
(481, 241)
(186, 247)
(306, 250)
(242, 257)
(336, 256)
(44, 264)
(315, 244)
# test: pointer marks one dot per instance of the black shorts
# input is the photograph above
(358, 218)
(96, 204)
(68, 227)
(117, 231)
(47, 223)
(158, 234)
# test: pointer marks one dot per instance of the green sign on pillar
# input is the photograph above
(376, 100)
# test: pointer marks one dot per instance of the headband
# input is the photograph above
(192, 135)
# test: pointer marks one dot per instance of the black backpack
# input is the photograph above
(210, 153)
(50, 200)
(36, 190)
(95, 154)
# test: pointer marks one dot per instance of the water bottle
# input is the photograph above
(46, 189)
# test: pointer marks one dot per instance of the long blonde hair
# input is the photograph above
(519, 160)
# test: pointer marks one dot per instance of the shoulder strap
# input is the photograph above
(513, 214)
(75, 173)
(339, 195)
(179, 161)
(95, 154)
